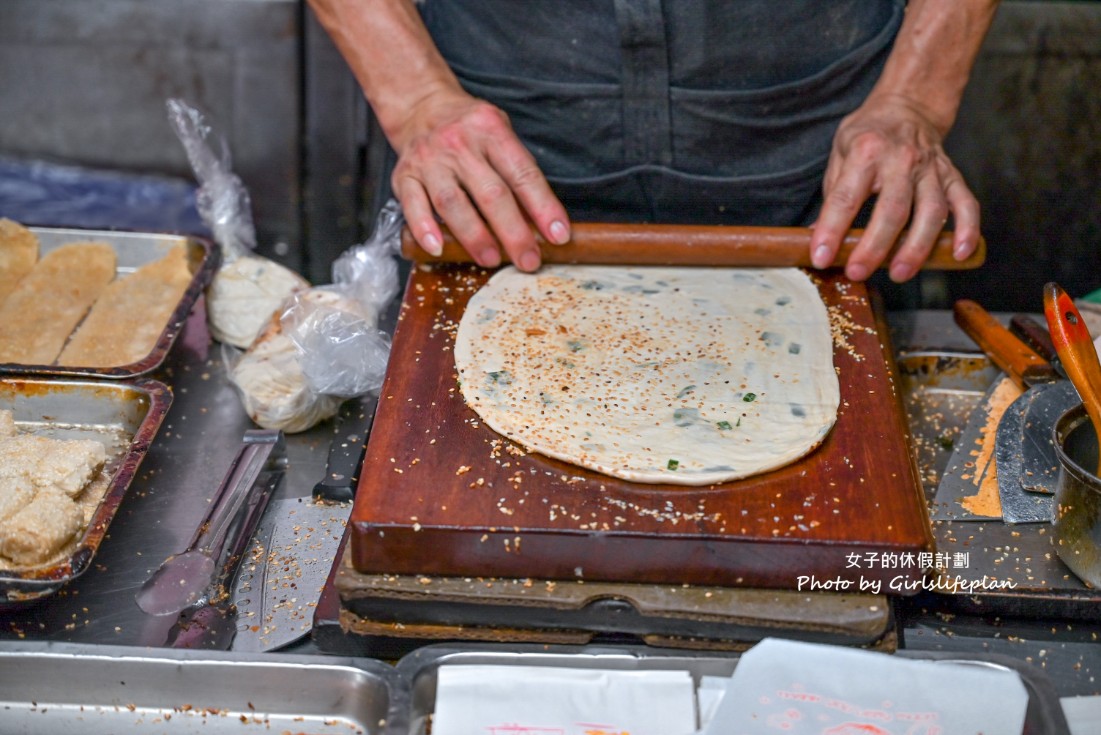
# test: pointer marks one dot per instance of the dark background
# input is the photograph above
(83, 84)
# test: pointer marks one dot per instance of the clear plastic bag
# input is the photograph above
(325, 346)
(341, 349)
(247, 288)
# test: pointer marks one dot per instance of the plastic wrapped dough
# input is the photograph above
(325, 345)
(247, 287)
(243, 294)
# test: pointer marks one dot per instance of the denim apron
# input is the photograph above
(709, 112)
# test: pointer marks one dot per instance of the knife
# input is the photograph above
(1024, 451)
(297, 543)
(607, 243)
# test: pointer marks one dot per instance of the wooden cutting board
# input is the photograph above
(440, 493)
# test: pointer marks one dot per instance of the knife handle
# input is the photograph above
(609, 243)
(1076, 349)
(1019, 361)
(1035, 335)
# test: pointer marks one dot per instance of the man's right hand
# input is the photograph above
(459, 158)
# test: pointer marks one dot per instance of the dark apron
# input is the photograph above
(718, 112)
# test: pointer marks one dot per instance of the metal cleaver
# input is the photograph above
(297, 543)
(1024, 451)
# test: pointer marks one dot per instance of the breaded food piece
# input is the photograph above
(61, 465)
(39, 315)
(7, 424)
(39, 530)
(128, 318)
(15, 493)
(18, 254)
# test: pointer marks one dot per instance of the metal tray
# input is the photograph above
(125, 416)
(133, 249)
(67, 688)
(939, 390)
(421, 670)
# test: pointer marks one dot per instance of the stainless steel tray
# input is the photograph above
(421, 670)
(939, 390)
(125, 416)
(133, 249)
(67, 688)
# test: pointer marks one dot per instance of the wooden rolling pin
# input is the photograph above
(689, 245)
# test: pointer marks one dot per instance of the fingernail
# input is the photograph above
(821, 257)
(901, 272)
(961, 250)
(432, 245)
(857, 272)
(560, 235)
(529, 260)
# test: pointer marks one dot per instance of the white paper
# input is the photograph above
(1083, 714)
(542, 700)
(811, 689)
(708, 695)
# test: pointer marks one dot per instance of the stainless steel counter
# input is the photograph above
(166, 500)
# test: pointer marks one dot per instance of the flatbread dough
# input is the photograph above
(18, 254)
(690, 376)
(40, 314)
(128, 318)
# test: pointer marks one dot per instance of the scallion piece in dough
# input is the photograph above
(724, 426)
(672, 464)
(749, 397)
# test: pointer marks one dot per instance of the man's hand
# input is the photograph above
(458, 157)
(889, 149)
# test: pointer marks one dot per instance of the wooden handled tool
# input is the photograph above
(1019, 361)
(688, 245)
(1076, 350)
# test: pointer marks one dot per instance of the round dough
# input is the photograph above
(244, 293)
(690, 376)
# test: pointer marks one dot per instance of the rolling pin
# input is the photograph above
(602, 243)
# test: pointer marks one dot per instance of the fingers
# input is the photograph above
(483, 184)
(847, 187)
(930, 214)
(915, 192)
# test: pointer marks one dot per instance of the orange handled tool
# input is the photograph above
(1076, 350)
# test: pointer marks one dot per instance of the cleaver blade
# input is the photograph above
(294, 552)
(1040, 471)
(298, 543)
(1012, 466)
(965, 489)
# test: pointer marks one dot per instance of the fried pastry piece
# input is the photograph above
(15, 493)
(39, 315)
(128, 318)
(61, 465)
(39, 530)
(18, 254)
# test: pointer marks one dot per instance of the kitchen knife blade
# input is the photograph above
(297, 543)
(968, 490)
(1023, 445)
(1018, 506)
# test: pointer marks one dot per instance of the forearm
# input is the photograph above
(933, 55)
(391, 55)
